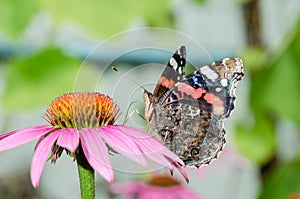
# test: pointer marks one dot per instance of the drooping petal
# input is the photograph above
(69, 139)
(182, 170)
(161, 160)
(149, 145)
(4, 135)
(96, 152)
(40, 156)
(19, 137)
(122, 143)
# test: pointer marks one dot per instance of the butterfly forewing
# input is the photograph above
(173, 73)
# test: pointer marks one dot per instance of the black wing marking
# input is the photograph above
(174, 72)
(216, 84)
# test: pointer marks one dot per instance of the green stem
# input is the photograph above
(86, 177)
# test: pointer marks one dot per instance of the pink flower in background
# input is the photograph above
(160, 186)
(82, 125)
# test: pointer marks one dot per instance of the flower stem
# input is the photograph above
(86, 178)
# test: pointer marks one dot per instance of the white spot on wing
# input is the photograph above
(173, 63)
(208, 72)
(224, 82)
(218, 89)
(180, 70)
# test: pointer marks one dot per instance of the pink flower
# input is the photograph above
(157, 187)
(82, 125)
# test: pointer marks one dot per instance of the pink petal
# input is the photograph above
(122, 143)
(183, 192)
(18, 137)
(6, 134)
(40, 156)
(149, 145)
(96, 152)
(154, 149)
(161, 160)
(150, 194)
(69, 139)
(128, 188)
(182, 170)
(153, 192)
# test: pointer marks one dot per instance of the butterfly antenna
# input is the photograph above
(138, 84)
(133, 81)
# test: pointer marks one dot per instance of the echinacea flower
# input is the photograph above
(158, 186)
(82, 125)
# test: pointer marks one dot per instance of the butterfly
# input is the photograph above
(188, 112)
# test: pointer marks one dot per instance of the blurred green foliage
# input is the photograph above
(100, 17)
(277, 87)
(200, 1)
(256, 143)
(283, 181)
(15, 15)
(275, 94)
(105, 18)
(35, 80)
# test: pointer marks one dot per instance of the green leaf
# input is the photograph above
(39, 79)
(282, 182)
(277, 88)
(257, 143)
(200, 1)
(105, 18)
(15, 15)
(255, 59)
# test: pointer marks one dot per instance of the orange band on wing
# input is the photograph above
(189, 90)
(217, 103)
(166, 82)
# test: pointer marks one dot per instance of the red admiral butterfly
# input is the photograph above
(188, 112)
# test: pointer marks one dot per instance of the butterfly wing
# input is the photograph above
(173, 73)
(188, 112)
(213, 86)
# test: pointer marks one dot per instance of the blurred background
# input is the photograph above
(52, 47)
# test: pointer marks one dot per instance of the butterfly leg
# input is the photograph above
(166, 135)
(128, 116)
